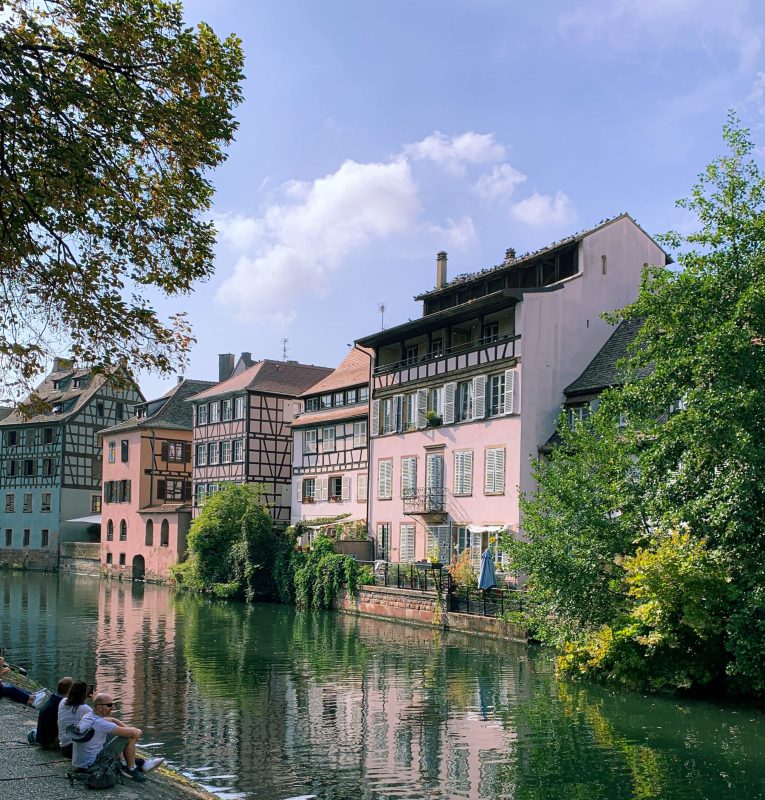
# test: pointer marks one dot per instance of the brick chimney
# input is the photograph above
(225, 366)
(441, 270)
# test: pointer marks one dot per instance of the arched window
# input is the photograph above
(603, 264)
(149, 533)
(110, 531)
(108, 558)
(123, 530)
(122, 559)
(164, 534)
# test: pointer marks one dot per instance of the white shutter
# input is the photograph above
(475, 549)
(512, 391)
(408, 476)
(323, 489)
(499, 471)
(406, 543)
(346, 489)
(421, 418)
(439, 539)
(449, 390)
(375, 418)
(361, 487)
(479, 397)
(463, 472)
(385, 479)
(494, 482)
(490, 468)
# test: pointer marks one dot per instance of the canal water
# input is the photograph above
(267, 703)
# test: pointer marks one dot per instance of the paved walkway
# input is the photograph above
(31, 773)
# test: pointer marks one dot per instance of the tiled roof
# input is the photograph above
(602, 371)
(331, 415)
(169, 412)
(353, 370)
(529, 257)
(48, 393)
(270, 377)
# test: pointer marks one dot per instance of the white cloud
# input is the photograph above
(302, 239)
(237, 232)
(456, 233)
(542, 209)
(502, 181)
(452, 154)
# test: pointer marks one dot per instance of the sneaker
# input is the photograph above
(151, 763)
(39, 698)
(136, 775)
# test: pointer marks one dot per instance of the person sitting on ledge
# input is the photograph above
(111, 737)
(46, 733)
(70, 712)
(12, 692)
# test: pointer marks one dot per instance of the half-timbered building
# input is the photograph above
(50, 463)
(329, 463)
(147, 495)
(464, 397)
(242, 429)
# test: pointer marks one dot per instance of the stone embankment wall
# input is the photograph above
(81, 557)
(28, 559)
(420, 608)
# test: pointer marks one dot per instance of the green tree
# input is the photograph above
(112, 114)
(692, 451)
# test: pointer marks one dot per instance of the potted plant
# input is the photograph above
(433, 419)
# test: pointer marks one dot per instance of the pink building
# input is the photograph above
(329, 446)
(146, 508)
(464, 397)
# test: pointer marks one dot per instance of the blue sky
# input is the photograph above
(375, 134)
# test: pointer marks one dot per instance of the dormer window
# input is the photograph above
(79, 383)
(326, 401)
(312, 404)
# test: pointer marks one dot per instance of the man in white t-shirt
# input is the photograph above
(110, 737)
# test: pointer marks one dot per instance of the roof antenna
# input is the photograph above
(284, 349)
(381, 309)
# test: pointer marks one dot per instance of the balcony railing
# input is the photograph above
(425, 501)
(457, 349)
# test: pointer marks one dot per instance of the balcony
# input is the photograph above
(426, 502)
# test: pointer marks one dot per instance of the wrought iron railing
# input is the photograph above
(425, 501)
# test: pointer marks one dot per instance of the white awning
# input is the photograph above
(486, 528)
(93, 519)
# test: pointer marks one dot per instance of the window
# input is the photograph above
(201, 459)
(364, 394)
(383, 541)
(361, 487)
(335, 489)
(44, 538)
(312, 404)
(122, 559)
(225, 452)
(436, 347)
(45, 501)
(108, 558)
(576, 415)
(328, 439)
(202, 414)
(238, 450)
(309, 441)
(47, 435)
(29, 467)
(490, 332)
(385, 479)
(27, 504)
(27, 536)
(123, 531)
(463, 472)
(411, 354)
(95, 504)
(11, 438)
(409, 477)
(174, 491)
(339, 399)
(351, 396)
(109, 531)
(212, 453)
(214, 413)
(112, 452)
(436, 400)
(8, 537)
(123, 491)
(239, 404)
(175, 452)
(124, 451)
(199, 494)
(211, 489)
(149, 533)
(360, 433)
(462, 540)
(309, 490)
(120, 410)
(406, 545)
(494, 478)
(326, 401)
(496, 395)
(10, 503)
(49, 467)
(164, 534)
(227, 410)
(463, 401)
(603, 265)
(99, 408)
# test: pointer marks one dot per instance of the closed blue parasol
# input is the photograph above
(487, 578)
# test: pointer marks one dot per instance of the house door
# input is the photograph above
(139, 568)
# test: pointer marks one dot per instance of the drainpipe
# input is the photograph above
(151, 477)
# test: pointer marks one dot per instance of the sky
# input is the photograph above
(374, 134)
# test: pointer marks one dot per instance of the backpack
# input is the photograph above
(103, 773)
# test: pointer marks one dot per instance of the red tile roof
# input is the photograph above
(270, 377)
(353, 371)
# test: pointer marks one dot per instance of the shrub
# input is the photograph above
(462, 572)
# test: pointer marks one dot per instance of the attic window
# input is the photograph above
(57, 408)
(78, 383)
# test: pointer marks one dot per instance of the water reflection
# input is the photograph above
(262, 702)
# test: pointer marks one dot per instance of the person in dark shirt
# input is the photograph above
(46, 734)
